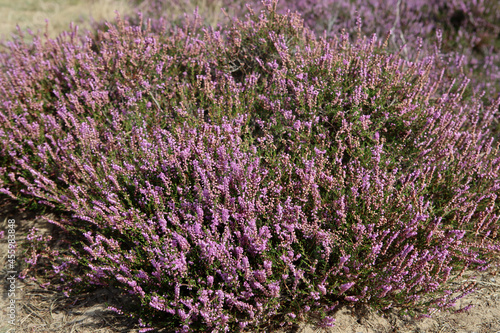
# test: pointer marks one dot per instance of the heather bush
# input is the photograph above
(458, 28)
(463, 36)
(246, 177)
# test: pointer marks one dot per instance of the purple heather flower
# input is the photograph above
(343, 288)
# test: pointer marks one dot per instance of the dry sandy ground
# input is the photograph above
(42, 310)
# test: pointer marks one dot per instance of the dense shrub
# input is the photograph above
(249, 176)
(463, 36)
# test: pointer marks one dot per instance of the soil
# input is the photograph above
(45, 310)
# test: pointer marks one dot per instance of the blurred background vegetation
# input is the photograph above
(32, 14)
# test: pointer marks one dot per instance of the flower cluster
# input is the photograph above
(245, 177)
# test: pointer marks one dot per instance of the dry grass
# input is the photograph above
(33, 14)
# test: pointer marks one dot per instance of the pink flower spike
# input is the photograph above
(345, 287)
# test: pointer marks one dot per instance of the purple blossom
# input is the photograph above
(344, 287)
